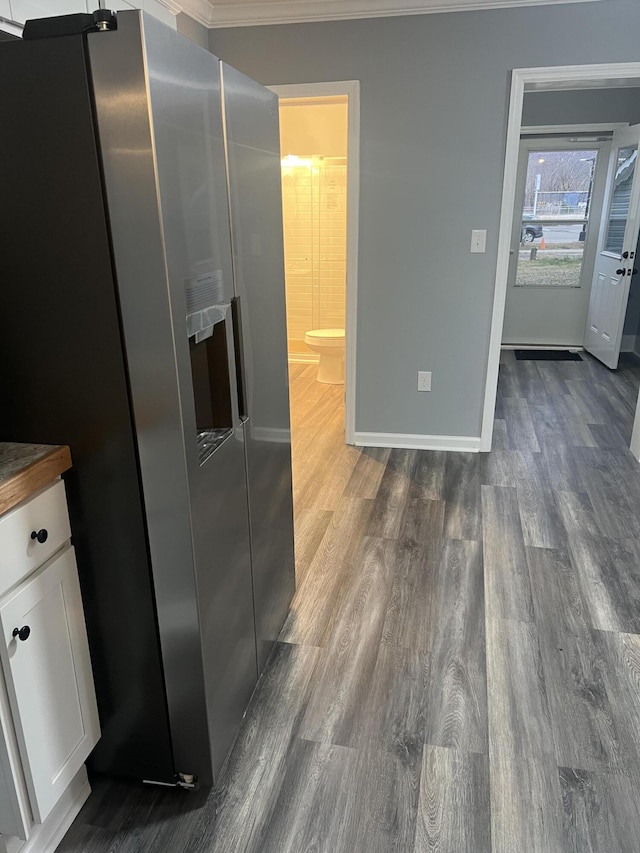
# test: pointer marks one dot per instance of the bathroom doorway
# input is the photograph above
(319, 146)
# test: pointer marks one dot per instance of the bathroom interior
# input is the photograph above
(313, 144)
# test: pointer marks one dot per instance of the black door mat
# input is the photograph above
(546, 355)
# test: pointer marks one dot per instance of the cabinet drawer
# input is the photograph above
(45, 659)
(20, 554)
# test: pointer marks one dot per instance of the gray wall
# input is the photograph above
(586, 107)
(192, 29)
(434, 111)
(632, 317)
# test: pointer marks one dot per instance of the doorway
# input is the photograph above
(544, 79)
(320, 171)
(615, 272)
(313, 142)
(559, 195)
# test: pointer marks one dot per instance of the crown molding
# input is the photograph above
(248, 14)
(200, 10)
(173, 6)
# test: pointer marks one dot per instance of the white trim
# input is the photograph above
(606, 127)
(45, 837)
(317, 90)
(350, 88)
(233, 14)
(540, 79)
(200, 10)
(11, 27)
(173, 6)
(504, 248)
(569, 77)
(413, 441)
(552, 347)
(635, 435)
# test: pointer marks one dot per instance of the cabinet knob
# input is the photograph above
(21, 633)
(41, 535)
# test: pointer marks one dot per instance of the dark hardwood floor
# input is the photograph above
(460, 671)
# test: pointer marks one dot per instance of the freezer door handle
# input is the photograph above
(231, 362)
(236, 316)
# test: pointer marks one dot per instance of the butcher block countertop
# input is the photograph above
(25, 468)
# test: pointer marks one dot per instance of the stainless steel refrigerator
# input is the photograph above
(144, 325)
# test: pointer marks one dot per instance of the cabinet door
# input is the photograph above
(49, 679)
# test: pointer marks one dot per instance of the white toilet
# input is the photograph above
(329, 343)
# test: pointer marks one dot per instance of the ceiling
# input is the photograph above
(242, 13)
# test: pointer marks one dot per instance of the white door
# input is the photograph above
(45, 657)
(617, 243)
(560, 191)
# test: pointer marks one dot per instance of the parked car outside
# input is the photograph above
(530, 230)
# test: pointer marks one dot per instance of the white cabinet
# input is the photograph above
(48, 713)
(31, 533)
(45, 657)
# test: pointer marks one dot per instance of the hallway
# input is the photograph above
(461, 667)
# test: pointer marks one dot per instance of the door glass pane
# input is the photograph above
(620, 200)
(555, 217)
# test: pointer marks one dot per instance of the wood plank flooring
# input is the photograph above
(460, 670)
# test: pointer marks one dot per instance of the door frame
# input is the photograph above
(562, 77)
(533, 142)
(350, 88)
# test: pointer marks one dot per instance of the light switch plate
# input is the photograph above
(478, 241)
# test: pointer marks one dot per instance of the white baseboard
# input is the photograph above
(413, 441)
(45, 837)
(303, 358)
(572, 347)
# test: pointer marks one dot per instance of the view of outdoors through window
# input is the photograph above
(620, 200)
(554, 218)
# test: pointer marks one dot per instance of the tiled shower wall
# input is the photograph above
(314, 199)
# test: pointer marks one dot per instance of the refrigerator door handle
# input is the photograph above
(240, 371)
(232, 348)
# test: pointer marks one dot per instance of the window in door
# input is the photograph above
(555, 217)
(620, 200)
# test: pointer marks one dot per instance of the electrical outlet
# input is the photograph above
(424, 380)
